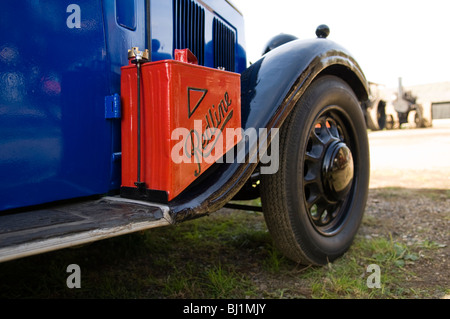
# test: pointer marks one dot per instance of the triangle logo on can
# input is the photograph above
(195, 97)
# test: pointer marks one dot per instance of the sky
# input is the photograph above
(389, 38)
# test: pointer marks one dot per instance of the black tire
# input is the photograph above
(313, 205)
(377, 115)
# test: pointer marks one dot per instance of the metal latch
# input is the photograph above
(112, 106)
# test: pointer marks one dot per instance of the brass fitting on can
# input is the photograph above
(136, 55)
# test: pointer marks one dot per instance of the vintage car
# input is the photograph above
(118, 116)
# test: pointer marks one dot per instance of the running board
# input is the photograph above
(33, 232)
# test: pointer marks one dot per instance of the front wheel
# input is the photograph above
(314, 203)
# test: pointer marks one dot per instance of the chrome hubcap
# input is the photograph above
(337, 170)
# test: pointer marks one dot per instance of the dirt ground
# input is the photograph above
(409, 197)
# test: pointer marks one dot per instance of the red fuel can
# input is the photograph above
(190, 116)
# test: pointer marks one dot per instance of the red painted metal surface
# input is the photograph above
(185, 112)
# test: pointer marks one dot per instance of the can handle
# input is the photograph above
(186, 56)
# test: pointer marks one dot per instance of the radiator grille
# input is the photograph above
(224, 46)
(189, 28)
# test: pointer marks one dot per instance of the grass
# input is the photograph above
(348, 277)
(226, 255)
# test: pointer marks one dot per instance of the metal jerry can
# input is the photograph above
(184, 118)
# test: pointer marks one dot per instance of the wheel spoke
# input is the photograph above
(320, 213)
(333, 128)
(324, 218)
(311, 157)
(335, 209)
(315, 136)
(313, 199)
(310, 178)
(321, 132)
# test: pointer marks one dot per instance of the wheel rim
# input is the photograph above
(328, 174)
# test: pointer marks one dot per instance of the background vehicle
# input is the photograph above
(391, 112)
(63, 107)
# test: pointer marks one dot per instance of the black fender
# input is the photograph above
(270, 89)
